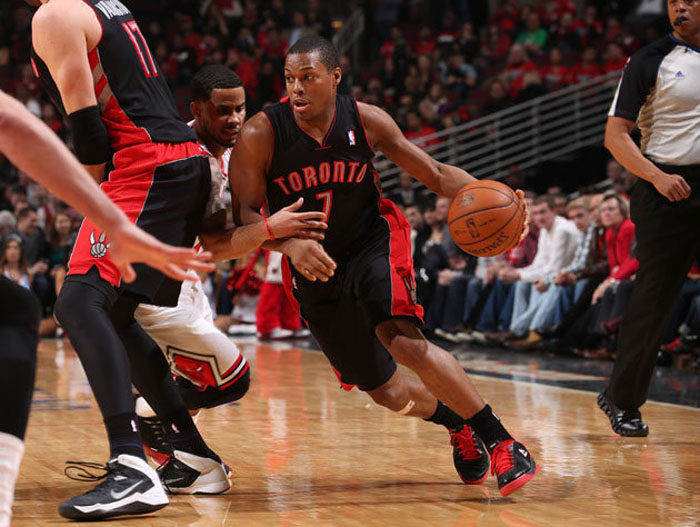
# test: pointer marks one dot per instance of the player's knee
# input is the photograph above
(213, 396)
(391, 395)
(405, 342)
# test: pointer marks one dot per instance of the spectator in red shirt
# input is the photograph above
(425, 43)
(495, 44)
(591, 27)
(416, 129)
(615, 58)
(388, 49)
(274, 46)
(507, 16)
(619, 235)
(517, 65)
(554, 73)
(588, 68)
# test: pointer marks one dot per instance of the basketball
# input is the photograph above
(486, 218)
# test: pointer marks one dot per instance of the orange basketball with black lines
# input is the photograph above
(486, 218)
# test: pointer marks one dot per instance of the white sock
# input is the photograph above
(11, 450)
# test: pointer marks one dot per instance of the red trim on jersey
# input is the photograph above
(235, 379)
(403, 282)
(232, 368)
(128, 186)
(93, 58)
(287, 282)
(121, 130)
(364, 128)
(36, 70)
(322, 144)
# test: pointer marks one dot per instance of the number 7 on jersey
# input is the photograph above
(327, 198)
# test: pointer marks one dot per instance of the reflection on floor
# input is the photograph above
(306, 453)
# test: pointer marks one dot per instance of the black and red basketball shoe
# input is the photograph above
(513, 465)
(469, 455)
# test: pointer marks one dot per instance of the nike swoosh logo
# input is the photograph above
(119, 495)
(173, 481)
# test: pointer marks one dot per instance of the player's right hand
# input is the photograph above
(672, 186)
(287, 223)
(311, 260)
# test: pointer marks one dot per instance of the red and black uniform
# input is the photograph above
(157, 175)
(367, 236)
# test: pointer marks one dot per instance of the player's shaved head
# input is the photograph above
(315, 44)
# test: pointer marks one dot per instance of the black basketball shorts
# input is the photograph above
(374, 285)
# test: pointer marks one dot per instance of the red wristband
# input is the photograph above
(268, 229)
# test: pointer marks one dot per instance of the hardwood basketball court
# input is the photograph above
(306, 453)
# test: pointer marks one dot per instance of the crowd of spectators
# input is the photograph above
(567, 282)
(564, 289)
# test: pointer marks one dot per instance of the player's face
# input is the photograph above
(684, 16)
(310, 85)
(221, 117)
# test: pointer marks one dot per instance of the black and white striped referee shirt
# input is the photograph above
(660, 90)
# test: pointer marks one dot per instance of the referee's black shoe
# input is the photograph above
(626, 423)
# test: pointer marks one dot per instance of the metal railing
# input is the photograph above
(548, 127)
(346, 38)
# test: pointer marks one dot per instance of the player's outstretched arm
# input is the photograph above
(37, 151)
(384, 134)
(240, 241)
(250, 159)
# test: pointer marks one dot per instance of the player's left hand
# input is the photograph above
(129, 244)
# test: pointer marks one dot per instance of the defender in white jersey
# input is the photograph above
(209, 367)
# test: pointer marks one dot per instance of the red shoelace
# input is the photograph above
(465, 442)
(502, 457)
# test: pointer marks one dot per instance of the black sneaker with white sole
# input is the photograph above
(129, 487)
(186, 473)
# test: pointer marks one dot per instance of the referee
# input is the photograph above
(659, 90)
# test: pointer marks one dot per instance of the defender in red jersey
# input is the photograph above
(355, 288)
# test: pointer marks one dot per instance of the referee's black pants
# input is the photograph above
(668, 241)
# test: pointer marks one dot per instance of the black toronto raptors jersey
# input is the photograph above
(335, 176)
(133, 96)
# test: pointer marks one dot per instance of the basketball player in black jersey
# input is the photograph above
(92, 58)
(36, 150)
(356, 289)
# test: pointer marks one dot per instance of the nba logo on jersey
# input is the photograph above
(351, 137)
